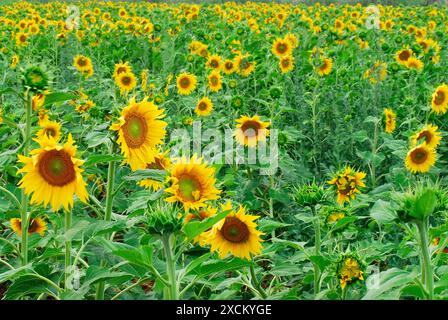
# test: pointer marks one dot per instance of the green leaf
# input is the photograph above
(342, 223)
(388, 284)
(194, 228)
(158, 175)
(27, 285)
(141, 256)
(383, 212)
(424, 204)
(267, 225)
(99, 158)
(221, 266)
(320, 261)
(57, 97)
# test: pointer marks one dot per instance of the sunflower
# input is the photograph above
(286, 64)
(347, 183)
(122, 67)
(376, 73)
(214, 81)
(439, 102)
(186, 83)
(325, 67)
(390, 120)
(214, 62)
(37, 225)
(292, 38)
(429, 135)
(161, 162)
(192, 183)
(403, 55)
(236, 234)
(126, 82)
(14, 61)
(200, 215)
(204, 107)
(414, 63)
(82, 63)
(250, 130)
(21, 39)
(53, 174)
(38, 100)
(281, 47)
(229, 66)
(50, 129)
(349, 271)
(244, 66)
(420, 158)
(140, 131)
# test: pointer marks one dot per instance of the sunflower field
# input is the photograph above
(223, 151)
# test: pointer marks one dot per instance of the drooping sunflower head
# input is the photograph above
(204, 107)
(390, 120)
(36, 225)
(428, 135)
(347, 183)
(53, 174)
(286, 64)
(439, 102)
(350, 270)
(36, 79)
(281, 47)
(236, 234)
(250, 130)
(126, 81)
(122, 67)
(420, 158)
(140, 132)
(214, 81)
(50, 129)
(192, 183)
(186, 83)
(161, 162)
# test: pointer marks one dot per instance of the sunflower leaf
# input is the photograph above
(195, 228)
(56, 97)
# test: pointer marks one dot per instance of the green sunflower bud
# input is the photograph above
(275, 92)
(35, 79)
(237, 102)
(309, 195)
(163, 219)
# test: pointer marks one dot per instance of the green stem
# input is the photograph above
(426, 267)
(24, 211)
(68, 247)
(107, 216)
(317, 244)
(171, 268)
(256, 283)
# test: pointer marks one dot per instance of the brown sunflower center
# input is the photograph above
(282, 48)
(126, 80)
(135, 130)
(250, 128)
(214, 63)
(285, 63)
(121, 70)
(229, 65)
(56, 168)
(234, 230)
(214, 80)
(184, 82)
(425, 135)
(82, 62)
(34, 226)
(404, 55)
(419, 156)
(50, 132)
(156, 165)
(189, 187)
(202, 106)
(439, 98)
(22, 38)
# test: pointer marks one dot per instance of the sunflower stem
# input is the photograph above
(256, 283)
(26, 149)
(317, 245)
(68, 247)
(107, 216)
(426, 261)
(171, 268)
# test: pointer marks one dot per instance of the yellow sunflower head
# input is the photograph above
(53, 174)
(325, 67)
(186, 83)
(229, 66)
(37, 225)
(192, 183)
(161, 162)
(236, 234)
(281, 47)
(414, 63)
(126, 81)
(428, 135)
(403, 56)
(214, 62)
(439, 102)
(420, 159)
(347, 183)
(82, 63)
(390, 120)
(250, 130)
(50, 129)
(204, 107)
(214, 81)
(286, 64)
(122, 67)
(140, 132)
